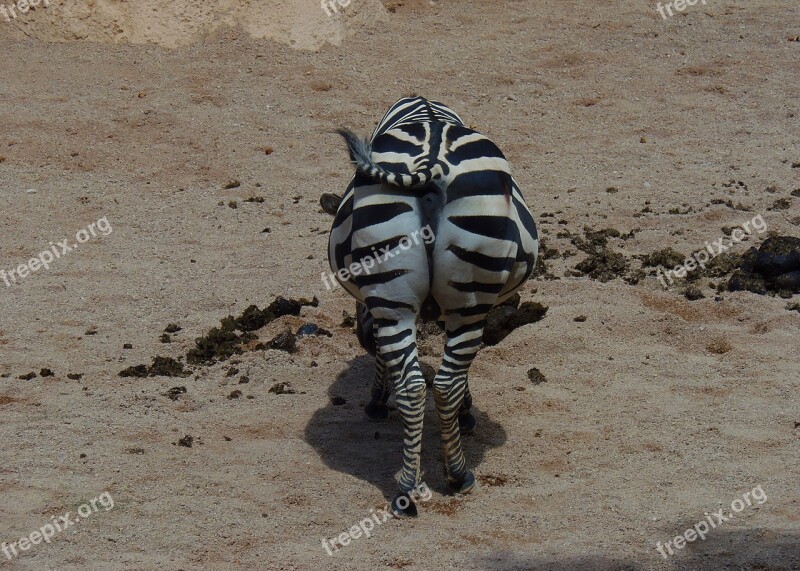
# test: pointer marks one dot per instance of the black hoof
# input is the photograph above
(404, 506)
(463, 486)
(466, 423)
(376, 411)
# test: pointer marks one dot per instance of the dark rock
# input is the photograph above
(134, 371)
(285, 341)
(773, 267)
(693, 293)
(282, 388)
(312, 329)
(167, 367)
(338, 401)
(175, 392)
(187, 441)
(46, 373)
(667, 258)
(536, 376)
(161, 367)
(348, 321)
(28, 376)
(172, 328)
(503, 319)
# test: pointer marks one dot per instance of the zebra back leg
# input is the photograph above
(466, 420)
(452, 396)
(396, 342)
(376, 409)
(365, 330)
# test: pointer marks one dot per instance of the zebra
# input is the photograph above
(423, 166)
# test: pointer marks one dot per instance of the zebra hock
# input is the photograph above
(379, 255)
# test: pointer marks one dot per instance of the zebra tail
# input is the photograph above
(361, 156)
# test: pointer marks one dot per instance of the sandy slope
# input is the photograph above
(642, 425)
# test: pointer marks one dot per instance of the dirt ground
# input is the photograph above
(656, 410)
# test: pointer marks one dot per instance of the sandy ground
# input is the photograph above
(656, 410)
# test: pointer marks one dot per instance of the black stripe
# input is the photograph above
(496, 227)
(392, 339)
(463, 345)
(473, 150)
(365, 216)
(465, 329)
(416, 130)
(373, 301)
(379, 247)
(476, 183)
(388, 143)
(526, 218)
(475, 287)
(484, 262)
(382, 278)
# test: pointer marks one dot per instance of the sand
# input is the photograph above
(655, 411)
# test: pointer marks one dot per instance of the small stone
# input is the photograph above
(282, 388)
(338, 401)
(536, 376)
(175, 392)
(186, 441)
(693, 293)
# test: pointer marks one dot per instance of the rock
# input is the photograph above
(536, 377)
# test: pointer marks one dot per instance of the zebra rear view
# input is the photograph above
(424, 173)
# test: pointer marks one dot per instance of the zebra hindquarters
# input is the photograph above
(388, 226)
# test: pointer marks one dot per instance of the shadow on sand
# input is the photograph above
(372, 451)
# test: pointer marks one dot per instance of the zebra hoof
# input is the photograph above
(466, 423)
(403, 506)
(376, 411)
(463, 486)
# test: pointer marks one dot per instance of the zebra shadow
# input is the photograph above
(372, 451)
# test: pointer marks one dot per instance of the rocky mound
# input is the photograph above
(302, 24)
